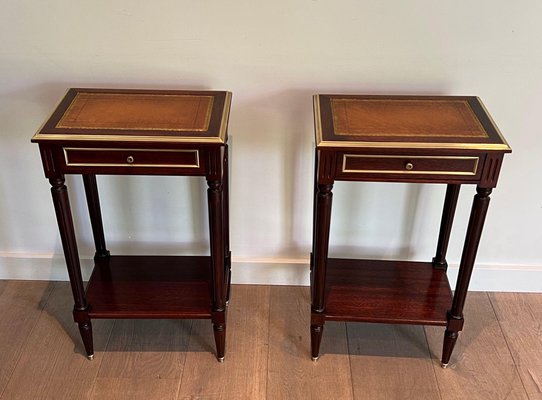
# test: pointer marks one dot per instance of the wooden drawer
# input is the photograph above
(130, 158)
(381, 165)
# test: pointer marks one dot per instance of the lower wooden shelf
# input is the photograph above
(150, 287)
(386, 292)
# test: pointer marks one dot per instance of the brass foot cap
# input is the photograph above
(220, 359)
(315, 358)
(444, 365)
(90, 357)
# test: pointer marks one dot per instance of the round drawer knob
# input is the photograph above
(130, 160)
(409, 166)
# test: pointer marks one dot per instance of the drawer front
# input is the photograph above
(458, 166)
(130, 158)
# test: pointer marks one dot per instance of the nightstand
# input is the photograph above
(415, 139)
(142, 132)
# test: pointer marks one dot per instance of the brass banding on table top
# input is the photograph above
(405, 122)
(139, 116)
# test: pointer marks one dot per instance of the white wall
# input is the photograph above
(273, 56)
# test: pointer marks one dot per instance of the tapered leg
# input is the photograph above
(450, 203)
(324, 197)
(85, 329)
(215, 200)
(472, 240)
(93, 202)
(317, 329)
(69, 245)
(226, 216)
(314, 212)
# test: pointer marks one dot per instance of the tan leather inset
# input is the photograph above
(416, 118)
(131, 111)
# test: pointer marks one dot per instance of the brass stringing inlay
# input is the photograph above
(67, 150)
(406, 118)
(472, 172)
(138, 111)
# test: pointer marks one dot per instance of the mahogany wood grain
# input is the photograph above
(69, 244)
(386, 291)
(324, 198)
(93, 203)
(472, 240)
(150, 287)
(226, 220)
(448, 212)
(67, 234)
(314, 214)
(215, 195)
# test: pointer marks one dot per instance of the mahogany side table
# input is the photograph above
(449, 140)
(142, 132)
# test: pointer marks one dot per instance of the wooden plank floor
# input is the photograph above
(498, 355)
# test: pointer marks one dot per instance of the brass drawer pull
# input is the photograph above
(130, 159)
(409, 166)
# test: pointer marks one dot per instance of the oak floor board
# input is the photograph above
(481, 366)
(135, 389)
(3, 285)
(268, 352)
(291, 372)
(146, 349)
(52, 364)
(243, 373)
(21, 304)
(390, 362)
(520, 318)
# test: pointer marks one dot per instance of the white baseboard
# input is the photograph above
(492, 278)
(495, 278)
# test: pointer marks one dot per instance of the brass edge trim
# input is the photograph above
(465, 173)
(60, 125)
(127, 138)
(317, 119)
(68, 164)
(37, 134)
(493, 123)
(414, 145)
(225, 117)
